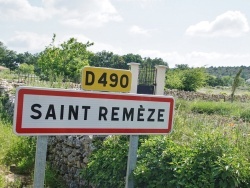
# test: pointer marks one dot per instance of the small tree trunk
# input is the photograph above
(235, 84)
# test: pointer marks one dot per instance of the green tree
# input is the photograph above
(108, 59)
(65, 61)
(2, 53)
(9, 60)
(174, 79)
(26, 69)
(153, 62)
(182, 66)
(194, 78)
(101, 59)
(227, 80)
(129, 58)
(27, 58)
(188, 79)
(235, 84)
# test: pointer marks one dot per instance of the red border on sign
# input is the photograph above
(67, 131)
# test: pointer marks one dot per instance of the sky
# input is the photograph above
(194, 32)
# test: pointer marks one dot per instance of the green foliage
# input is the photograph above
(210, 161)
(52, 179)
(193, 79)
(152, 167)
(111, 60)
(9, 60)
(107, 165)
(16, 184)
(210, 107)
(174, 79)
(26, 69)
(229, 71)
(245, 114)
(202, 151)
(21, 153)
(4, 116)
(2, 182)
(184, 78)
(67, 60)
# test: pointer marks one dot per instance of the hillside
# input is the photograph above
(229, 71)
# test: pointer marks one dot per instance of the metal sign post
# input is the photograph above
(40, 161)
(133, 141)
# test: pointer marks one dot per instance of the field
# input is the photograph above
(224, 90)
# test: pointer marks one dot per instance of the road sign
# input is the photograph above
(42, 111)
(105, 79)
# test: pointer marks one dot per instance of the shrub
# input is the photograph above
(52, 179)
(154, 157)
(211, 161)
(21, 153)
(107, 165)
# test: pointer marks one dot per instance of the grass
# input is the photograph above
(20, 152)
(202, 117)
(203, 150)
(236, 110)
(224, 90)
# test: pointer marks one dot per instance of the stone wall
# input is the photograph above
(68, 155)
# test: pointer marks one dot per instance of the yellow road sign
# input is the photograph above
(106, 79)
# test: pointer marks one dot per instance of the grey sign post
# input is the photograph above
(40, 161)
(133, 142)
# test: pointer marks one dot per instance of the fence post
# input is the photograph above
(160, 79)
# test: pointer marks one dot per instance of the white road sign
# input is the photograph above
(42, 111)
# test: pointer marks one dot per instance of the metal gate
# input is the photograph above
(146, 80)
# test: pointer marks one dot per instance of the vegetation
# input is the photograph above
(67, 60)
(229, 71)
(19, 152)
(185, 78)
(203, 150)
(235, 84)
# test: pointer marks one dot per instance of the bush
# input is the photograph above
(210, 162)
(21, 153)
(52, 179)
(107, 165)
(154, 157)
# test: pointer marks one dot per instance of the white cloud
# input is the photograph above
(199, 59)
(28, 41)
(138, 31)
(34, 42)
(23, 10)
(229, 24)
(80, 13)
(97, 47)
(91, 13)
